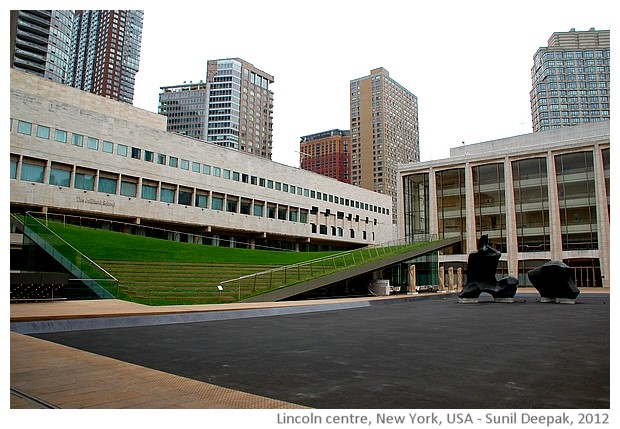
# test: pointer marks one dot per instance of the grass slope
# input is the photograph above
(103, 245)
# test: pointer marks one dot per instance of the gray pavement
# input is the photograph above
(415, 352)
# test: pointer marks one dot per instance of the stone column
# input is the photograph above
(441, 280)
(459, 278)
(412, 284)
(512, 245)
(433, 222)
(602, 215)
(555, 226)
(470, 210)
(450, 278)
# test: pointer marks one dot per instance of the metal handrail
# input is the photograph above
(332, 258)
(84, 259)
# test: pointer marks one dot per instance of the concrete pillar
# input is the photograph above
(471, 234)
(412, 280)
(433, 222)
(459, 278)
(512, 245)
(441, 280)
(602, 216)
(47, 172)
(451, 278)
(555, 227)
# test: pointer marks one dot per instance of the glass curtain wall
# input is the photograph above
(577, 200)
(416, 211)
(606, 167)
(451, 212)
(531, 204)
(490, 203)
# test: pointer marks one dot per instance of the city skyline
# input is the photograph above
(472, 81)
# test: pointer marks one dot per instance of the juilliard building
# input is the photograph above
(79, 154)
(539, 197)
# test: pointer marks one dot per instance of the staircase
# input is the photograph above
(156, 283)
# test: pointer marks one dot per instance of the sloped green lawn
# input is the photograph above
(99, 244)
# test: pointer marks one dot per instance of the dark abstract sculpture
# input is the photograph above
(554, 282)
(481, 267)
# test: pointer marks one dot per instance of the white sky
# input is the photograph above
(467, 62)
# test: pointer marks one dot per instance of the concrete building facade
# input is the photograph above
(73, 152)
(570, 80)
(539, 197)
(327, 153)
(384, 131)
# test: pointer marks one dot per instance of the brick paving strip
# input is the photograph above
(64, 377)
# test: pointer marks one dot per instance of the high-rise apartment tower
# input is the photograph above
(185, 106)
(240, 107)
(327, 153)
(41, 42)
(106, 52)
(570, 80)
(384, 132)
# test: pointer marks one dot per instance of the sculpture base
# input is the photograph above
(564, 301)
(508, 300)
(468, 300)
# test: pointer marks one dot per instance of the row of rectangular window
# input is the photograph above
(33, 170)
(60, 136)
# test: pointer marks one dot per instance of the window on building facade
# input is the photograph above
(451, 216)
(490, 203)
(129, 187)
(92, 143)
(577, 200)
(43, 132)
(185, 197)
(60, 175)
(201, 200)
(84, 180)
(24, 127)
(108, 146)
(32, 171)
(531, 204)
(107, 185)
(77, 140)
(166, 195)
(149, 192)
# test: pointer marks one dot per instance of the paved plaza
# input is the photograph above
(417, 352)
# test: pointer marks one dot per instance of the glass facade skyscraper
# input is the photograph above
(41, 42)
(570, 80)
(93, 50)
(240, 107)
(185, 106)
